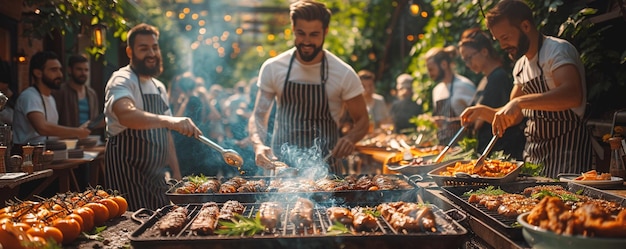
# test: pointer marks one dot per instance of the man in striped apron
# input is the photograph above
(549, 89)
(139, 146)
(311, 87)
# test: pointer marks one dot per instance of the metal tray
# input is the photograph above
(464, 181)
(449, 235)
(507, 224)
(347, 196)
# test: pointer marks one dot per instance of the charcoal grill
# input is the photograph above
(449, 233)
(347, 196)
(507, 225)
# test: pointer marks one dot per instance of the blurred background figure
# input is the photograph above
(404, 108)
(6, 114)
(376, 106)
(452, 94)
(493, 90)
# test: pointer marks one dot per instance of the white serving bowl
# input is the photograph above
(70, 143)
(539, 238)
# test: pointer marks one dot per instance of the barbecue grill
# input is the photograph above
(449, 233)
(507, 225)
(344, 196)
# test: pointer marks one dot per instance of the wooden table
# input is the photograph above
(10, 187)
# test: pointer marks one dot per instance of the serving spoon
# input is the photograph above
(231, 157)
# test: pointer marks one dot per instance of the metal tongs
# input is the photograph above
(445, 150)
(481, 160)
(231, 157)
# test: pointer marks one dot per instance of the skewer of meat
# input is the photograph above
(302, 213)
(206, 220)
(340, 214)
(363, 220)
(270, 213)
(229, 209)
(174, 221)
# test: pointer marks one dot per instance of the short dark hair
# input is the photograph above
(38, 61)
(310, 10)
(516, 11)
(76, 59)
(141, 29)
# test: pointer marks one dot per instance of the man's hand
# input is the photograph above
(508, 116)
(264, 156)
(184, 126)
(82, 132)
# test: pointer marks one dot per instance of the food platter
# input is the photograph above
(615, 181)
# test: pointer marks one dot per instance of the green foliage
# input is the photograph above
(241, 226)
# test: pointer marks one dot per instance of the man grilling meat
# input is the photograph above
(312, 88)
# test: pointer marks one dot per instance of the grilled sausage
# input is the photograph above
(174, 221)
(302, 213)
(229, 209)
(206, 221)
(363, 220)
(270, 214)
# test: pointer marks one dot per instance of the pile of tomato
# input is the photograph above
(58, 220)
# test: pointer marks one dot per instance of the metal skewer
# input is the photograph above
(443, 152)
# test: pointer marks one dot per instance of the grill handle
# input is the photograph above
(142, 215)
(456, 215)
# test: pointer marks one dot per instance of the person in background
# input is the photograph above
(309, 85)
(6, 114)
(404, 108)
(140, 147)
(36, 116)
(493, 90)
(549, 91)
(376, 106)
(76, 101)
(452, 94)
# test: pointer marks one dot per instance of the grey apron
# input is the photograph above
(557, 139)
(444, 108)
(135, 160)
(304, 127)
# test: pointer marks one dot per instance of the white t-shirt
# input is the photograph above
(343, 83)
(123, 84)
(30, 101)
(555, 52)
(463, 93)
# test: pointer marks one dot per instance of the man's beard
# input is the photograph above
(523, 43)
(141, 68)
(307, 58)
(54, 84)
(81, 80)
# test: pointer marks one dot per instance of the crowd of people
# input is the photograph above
(307, 102)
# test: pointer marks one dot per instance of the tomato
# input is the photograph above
(111, 206)
(30, 219)
(46, 232)
(77, 218)
(8, 239)
(69, 227)
(102, 193)
(88, 217)
(121, 203)
(36, 242)
(101, 213)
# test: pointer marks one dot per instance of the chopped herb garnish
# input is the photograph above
(490, 190)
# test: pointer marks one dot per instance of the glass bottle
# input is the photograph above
(617, 163)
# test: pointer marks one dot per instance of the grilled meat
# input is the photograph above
(383, 182)
(302, 213)
(410, 217)
(270, 213)
(364, 220)
(206, 220)
(229, 209)
(210, 186)
(340, 214)
(174, 221)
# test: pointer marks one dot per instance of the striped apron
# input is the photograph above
(557, 139)
(305, 128)
(135, 161)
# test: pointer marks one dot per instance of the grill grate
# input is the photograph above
(448, 231)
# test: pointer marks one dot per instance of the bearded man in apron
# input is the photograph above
(311, 87)
(139, 145)
(549, 90)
